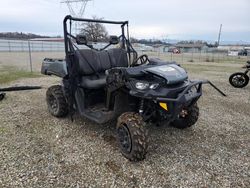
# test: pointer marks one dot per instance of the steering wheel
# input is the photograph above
(143, 59)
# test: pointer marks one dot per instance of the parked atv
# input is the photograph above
(240, 79)
(110, 84)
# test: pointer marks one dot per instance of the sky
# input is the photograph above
(157, 19)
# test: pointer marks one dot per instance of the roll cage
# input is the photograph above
(69, 38)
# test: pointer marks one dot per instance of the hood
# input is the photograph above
(172, 73)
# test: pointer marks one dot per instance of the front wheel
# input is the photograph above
(239, 80)
(132, 136)
(188, 117)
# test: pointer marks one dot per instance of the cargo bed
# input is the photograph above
(55, 67)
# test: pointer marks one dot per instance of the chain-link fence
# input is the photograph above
(28, 55)
(219, 57)
(30, 45)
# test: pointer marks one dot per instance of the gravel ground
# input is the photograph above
(38, 150)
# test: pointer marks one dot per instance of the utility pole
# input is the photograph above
(76, 8)
(219, 35)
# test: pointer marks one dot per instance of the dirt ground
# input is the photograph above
(38, 150)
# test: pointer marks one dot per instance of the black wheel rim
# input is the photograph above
(53, 104)
(238, 80)
(124, 138)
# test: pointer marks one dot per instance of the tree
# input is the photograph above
(133, 40)
(95, 32)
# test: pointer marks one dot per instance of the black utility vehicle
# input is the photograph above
(110, 84)
(240, 79)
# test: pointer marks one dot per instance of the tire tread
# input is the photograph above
(138, 133)
(57, 92)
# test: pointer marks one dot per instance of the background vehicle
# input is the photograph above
(233, 53)
(240, 79)
(242, 52)
(174, 50)
(106, 84)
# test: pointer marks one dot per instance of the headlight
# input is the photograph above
(153, 86)
(145, 85)
(142, 85)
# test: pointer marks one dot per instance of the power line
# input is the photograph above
(76, 7)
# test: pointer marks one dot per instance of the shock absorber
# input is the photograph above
(141, 107)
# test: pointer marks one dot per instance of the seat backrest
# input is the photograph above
(85, 58)
(100, 60)
(118, 57)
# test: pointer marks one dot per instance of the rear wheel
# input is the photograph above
(187, 117)
(239, 80)
(132, 136)
(56, 101)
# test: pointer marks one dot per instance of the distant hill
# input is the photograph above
(17, 35)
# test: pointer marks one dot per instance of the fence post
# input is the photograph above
(182, 58)
(30, 57)
(192, 55)
(9, 46)
(22, 46)
(200, 56)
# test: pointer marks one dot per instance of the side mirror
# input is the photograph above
(114, 40)
(81, 39)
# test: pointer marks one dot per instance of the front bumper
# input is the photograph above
(186, 98)
(177, 98)
(191, 92)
